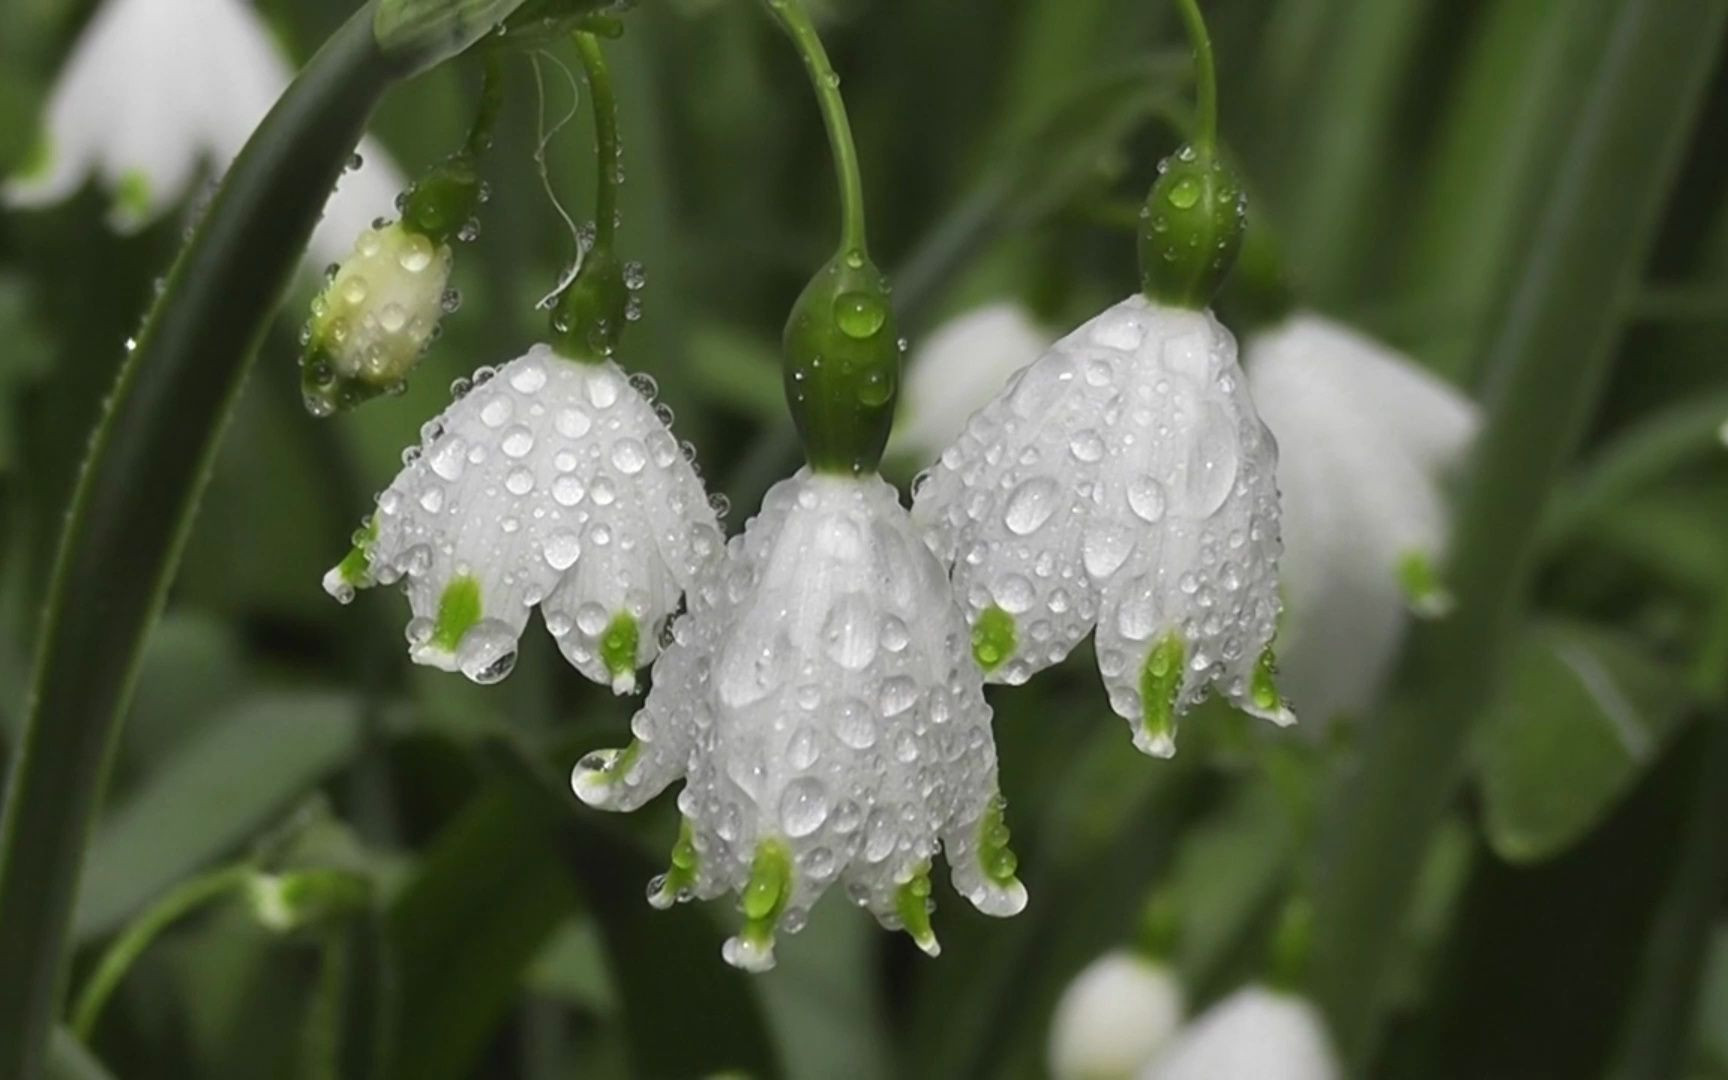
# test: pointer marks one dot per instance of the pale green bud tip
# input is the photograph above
(993, 638)
(1160, 692)
(912, 903)
(374, 319)
(766, 895)
(354, 572)
(1424, 592)
(618, 650)
(596, 776)
(292, 901)
(678, 883)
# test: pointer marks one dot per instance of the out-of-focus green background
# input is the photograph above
(1402, 151)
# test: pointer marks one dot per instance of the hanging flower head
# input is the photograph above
(1114, 1018)
(1124, 482)
(819, 697)
(821, 701)
(1366, 440)
(157, 90)
(554, 481)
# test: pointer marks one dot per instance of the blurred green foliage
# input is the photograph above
(1399, 149)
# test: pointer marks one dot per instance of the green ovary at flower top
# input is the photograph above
(552, 481)
(1124, 483)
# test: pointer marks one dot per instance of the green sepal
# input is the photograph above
(306, 898)
(356, 567)
(842, 365)
(1190, 230)
(1424, 591)
(767, 893)
(445, 199)
(591, 314)
(1160, 688)
(458, 610)
(1263, 687)
(993, 638)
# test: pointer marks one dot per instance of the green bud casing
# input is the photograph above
(591, 313)
(1190, 230)
(842, 365)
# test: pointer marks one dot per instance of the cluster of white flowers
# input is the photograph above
(155, 91)
(1124, 1018)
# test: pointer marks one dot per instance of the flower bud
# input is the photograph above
(591, 313)
(298, 899)
(842, 365)
(1113, 1018)
(1190, 229)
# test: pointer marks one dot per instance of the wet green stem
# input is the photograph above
(118, 960)
(1205, 79)
(795, 20)
(605, 138)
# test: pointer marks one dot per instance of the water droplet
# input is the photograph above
(803, 807)
(1030, 506)
(519, 482)
(1086, 446)
(1105, 549)
(518, 441)
(1146, 499)
(629, 456)
(859, 315)
(850, 633)
(562, 550)
(496, 411)
(568, 490)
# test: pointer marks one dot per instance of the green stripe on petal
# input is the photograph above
(1160, 687)
(912, 904)
(678, 883)
(993, 638)
(1426, 594)
(618, 649)
(458, 610)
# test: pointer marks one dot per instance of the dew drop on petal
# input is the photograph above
(1030, 506)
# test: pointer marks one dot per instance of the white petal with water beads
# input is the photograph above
(378, 313)
(1125, 482)
(547, 482)
(822, 702)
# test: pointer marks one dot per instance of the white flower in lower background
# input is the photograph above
(1113, 1018)
(550, 483)
(157, 90)
(1123, 481)
(1366, 438)
(1254, 1034)
(961, 365)
(820, 698)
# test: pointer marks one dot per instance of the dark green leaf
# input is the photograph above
(1582, 714)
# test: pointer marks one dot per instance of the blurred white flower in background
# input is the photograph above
(1256, 1033)
(957, 369)
(1366, 439)
(156, 91)
(1113, 1018)
(1122, 481)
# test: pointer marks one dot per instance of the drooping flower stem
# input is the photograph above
(148, 463)
(120, 956)
(589, 317)
(606, 157)
(795, 20)
(1205, 80)
(841, 362)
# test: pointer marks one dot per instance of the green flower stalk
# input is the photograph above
(382, 307)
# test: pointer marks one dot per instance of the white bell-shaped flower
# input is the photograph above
(1114, 1018)
(549, 482)
(1125, 482)
(956, 369)
(1254, 1034)
(822, 703)
(154, 92)
(1366, 438)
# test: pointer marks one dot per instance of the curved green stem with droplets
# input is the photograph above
(795, 20)
(606, 147)
(118, 960)
(1205, 80)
